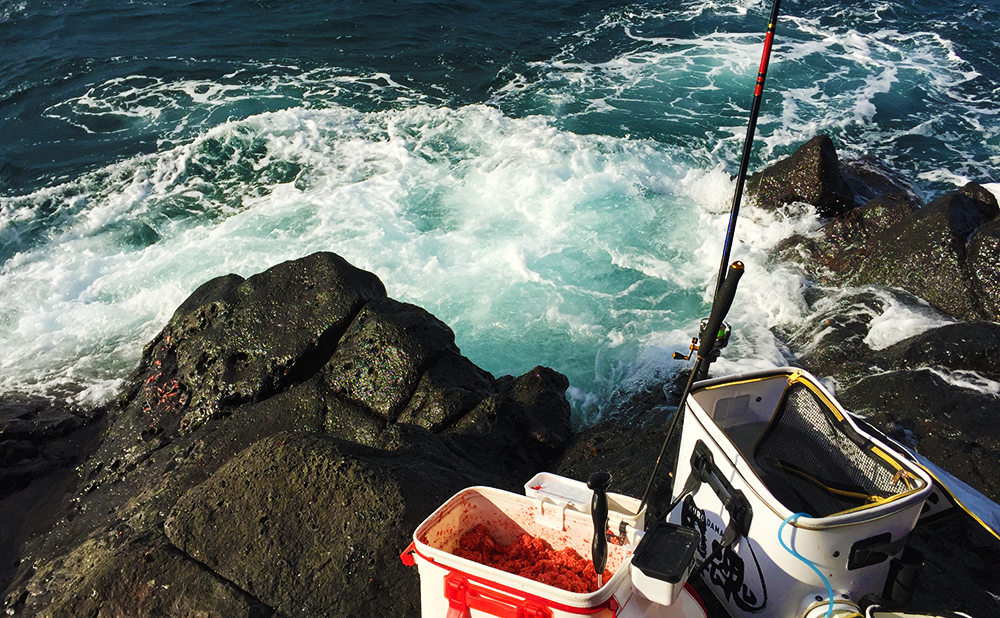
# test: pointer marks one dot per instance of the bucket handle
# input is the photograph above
(407, 555)
(463, 595)
(556, 520)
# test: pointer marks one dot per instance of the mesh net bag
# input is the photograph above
(814, 463)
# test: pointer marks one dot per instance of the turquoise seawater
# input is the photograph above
(550, 179)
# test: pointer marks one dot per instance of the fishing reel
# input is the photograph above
(721, 341)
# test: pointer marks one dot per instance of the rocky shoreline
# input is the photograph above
(284, 434)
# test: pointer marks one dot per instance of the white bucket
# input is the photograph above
(455, 587)
(757, 575)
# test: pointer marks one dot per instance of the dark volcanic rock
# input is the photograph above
(627, 444)
(868, 178)
(265, 420)
(833, 342)
(446, 391)
(985, 201)
(522, 427)
(41, 440)
(145, 578)
(843, 246)
(964, 346)
(983, 260)
(952, 426)
(937, 396)
(382, 356)
(926, 255)
(959, 571)
(234, 341)
(811, 175)
(945, 252)
(887, 200)
(853, 228)
(38, 419)
(303, 522)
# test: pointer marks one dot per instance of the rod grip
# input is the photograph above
(720, 307)
(599, 482)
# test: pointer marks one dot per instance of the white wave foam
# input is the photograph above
(770, 295)
(179, 109)
(969, 380)
(587, 253)
(696, 9)
(890, 316)
(878, 88)
(538, 239)
(899, 321)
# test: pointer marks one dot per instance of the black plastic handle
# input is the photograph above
(720, 307)
(599, 482)
(740, 511)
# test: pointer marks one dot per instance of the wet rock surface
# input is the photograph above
(255, 464)
(959, 432)
(811, 175)
(323, 514)
(869, 178)
(32, 435)
(926, 254)
(933, 392)
(878, 232)
(983, 258)
(41, 440)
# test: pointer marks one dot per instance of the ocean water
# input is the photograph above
(551, 179)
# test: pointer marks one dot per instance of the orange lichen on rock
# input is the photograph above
(532, 558)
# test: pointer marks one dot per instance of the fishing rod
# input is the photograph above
(741, 178)
(714, 331)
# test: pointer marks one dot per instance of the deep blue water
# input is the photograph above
(549, 178)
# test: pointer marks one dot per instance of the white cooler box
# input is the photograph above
(556, 510)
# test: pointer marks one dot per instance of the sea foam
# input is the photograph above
(574, 220)
(537, 245)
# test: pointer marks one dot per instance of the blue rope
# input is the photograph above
(829, 589)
